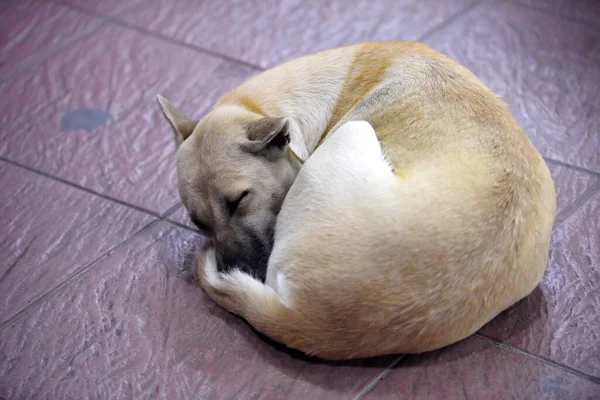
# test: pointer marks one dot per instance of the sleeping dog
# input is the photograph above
(365, 200)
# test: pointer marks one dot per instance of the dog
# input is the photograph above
(387, 198)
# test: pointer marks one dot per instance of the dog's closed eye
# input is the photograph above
(232, 205)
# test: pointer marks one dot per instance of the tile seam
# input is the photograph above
(546, 361)
(572, 167)
(115, 20)
(28, 65)
(572, 208)
(182, 226)
(77, 186)
(375, 381)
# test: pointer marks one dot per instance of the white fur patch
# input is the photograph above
(283, 288)
(357, 141)
(239, 281)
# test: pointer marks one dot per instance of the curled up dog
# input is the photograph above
(365, 200)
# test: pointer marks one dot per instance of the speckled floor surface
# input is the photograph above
(96, 295)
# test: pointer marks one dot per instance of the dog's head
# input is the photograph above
(234, 170)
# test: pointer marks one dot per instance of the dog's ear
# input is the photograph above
(268, 137)
(182, 125)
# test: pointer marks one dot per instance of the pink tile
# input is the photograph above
(585, 10)
(48, 231)
(561, 319)
(138, 326)
(547, 68)
(121, 146)
(31, 29)
(474, 369)
(268, 32)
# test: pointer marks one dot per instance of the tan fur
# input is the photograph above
(408, 261)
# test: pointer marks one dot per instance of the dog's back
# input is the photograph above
(379, 264)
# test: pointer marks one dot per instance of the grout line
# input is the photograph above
(571, 166)
(183, 226)
(573, 207)
(114, 19)
(43, 56)
(170, 211)
(190, 46)
(444, 24)
(78, 272)
(87, 190)
(552, 13)
(371, 385)
(544, 360)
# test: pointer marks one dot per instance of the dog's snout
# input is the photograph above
(228, 259)
(254, 264)
(249, 254)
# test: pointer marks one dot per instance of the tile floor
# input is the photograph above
(97, 295)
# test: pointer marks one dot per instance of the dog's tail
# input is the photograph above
(260, 305)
